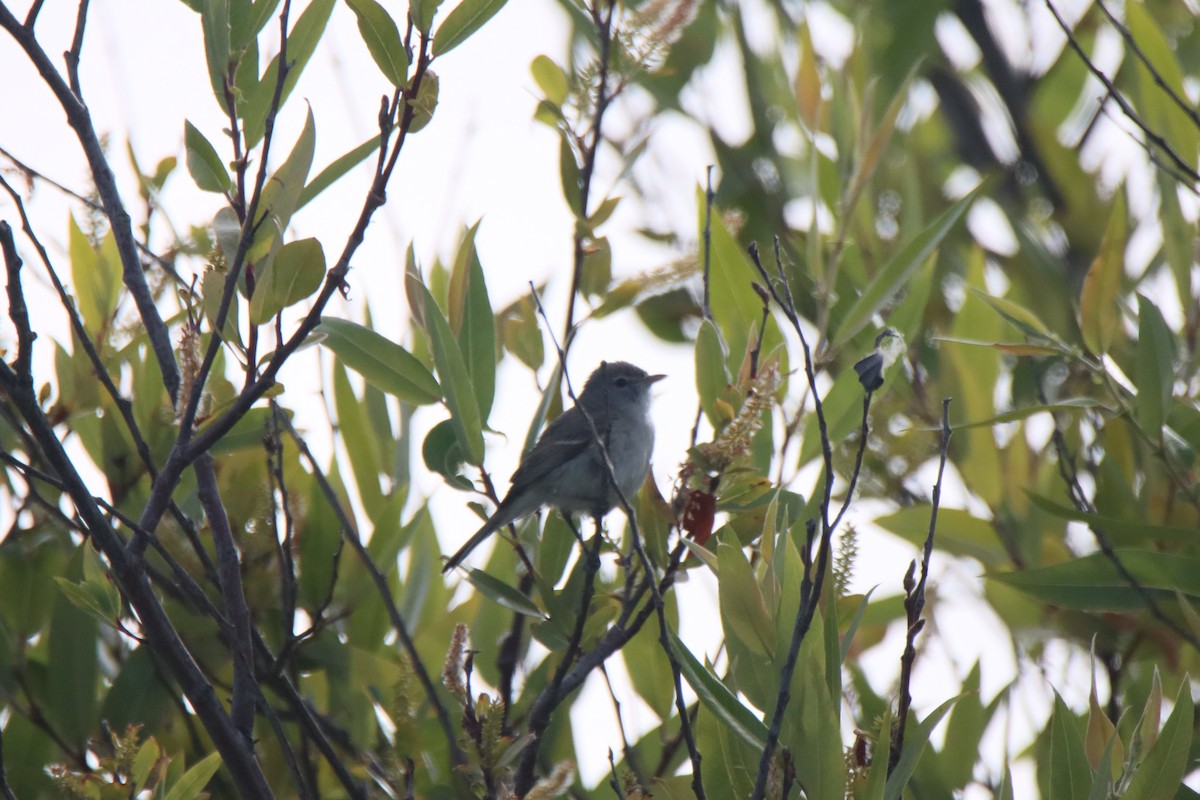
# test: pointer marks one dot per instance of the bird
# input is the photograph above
(566, 470)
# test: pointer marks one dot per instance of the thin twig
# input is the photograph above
(130, 575)
(80, 121)
(229, 568)
(1127, 108)
(385, 593)
(914, 600)
(636, 546)
(604, 35)
(4, 787)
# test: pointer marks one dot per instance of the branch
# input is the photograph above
(914, 601)
(1127, 108)
(130, 577)
(4, 787)
(118, 218)
(525, 775)
(16, 304)
(72, 55)
(539, 717)
(230, 571)
(811, 586)
(588, 169)
(385, 592)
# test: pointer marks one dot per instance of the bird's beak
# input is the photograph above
(654, 378)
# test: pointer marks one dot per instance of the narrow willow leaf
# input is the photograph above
(1155, 369)
(1093, 583)
(195, 779)
(1162, 771)
(328, 176)
(295, 273)
(915, 740)
(457, 389)
(500, 592)
(896, 273)
(717, 698)
(378, 31)
(203, 163)
(387, 365)
(743, 609)
(301, 42)
(466, 18)
(1099, 316)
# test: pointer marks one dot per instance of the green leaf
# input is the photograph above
(387, 365)
(568, 172)
(964, 730)
(500, 592)
(1155, 370)
(717, 698)
(550, 78)
(958, 532)
(378, 31)
(295, 273)
(895, 275)
(301, 42)
(441, 454)
(203, 162)
(1134, 531)
(466, 18)
(212, 289)
(1092, 582)
(147, 756)
(743, 609)
(425, 103)
(282, 193)
(96, 276)
(1067, 767)
(1070, 404)
(195, 779)
(471, 318)
(422, 12)
(1160, 774)
(915, 739)
(72, 666)
(328, 176)
(214, 18)
(365, 462)
(457, 389)
(712, 372)
(1099, 316)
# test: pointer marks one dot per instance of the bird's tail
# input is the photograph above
(483, 533)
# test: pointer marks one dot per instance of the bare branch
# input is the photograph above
(914, 601)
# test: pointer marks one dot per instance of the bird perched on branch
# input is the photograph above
(566, 469)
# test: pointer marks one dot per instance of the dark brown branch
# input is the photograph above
(1127, 108)
(229, 569)
(130, 577)
(381, 584)
(80, 121)
(552, 698)
(604, 33)
(73, 55)
(914, 601)
(9, 794)
(540, 716)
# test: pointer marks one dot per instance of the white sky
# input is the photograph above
(482, 156)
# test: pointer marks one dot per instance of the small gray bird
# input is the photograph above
(565, 469)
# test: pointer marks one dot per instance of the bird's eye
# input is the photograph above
(621, 382)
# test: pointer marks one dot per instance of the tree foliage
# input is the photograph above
(192, 599)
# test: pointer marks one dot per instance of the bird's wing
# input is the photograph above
(564, 438)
